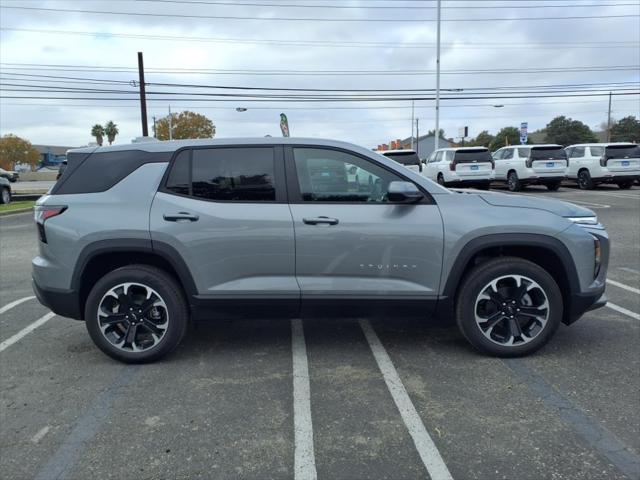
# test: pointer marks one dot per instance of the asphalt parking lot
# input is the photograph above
(340, 399)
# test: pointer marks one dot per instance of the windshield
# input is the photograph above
(548, 153)
(405, 158)
(479, 155)
(623, 151)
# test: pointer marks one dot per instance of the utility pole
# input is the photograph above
(438, 81)
(417, 137)
(609, 120)
(412, 116)
(170, 125)
(155, 135)
(143, 97)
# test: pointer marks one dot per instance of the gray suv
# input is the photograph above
(138, 240)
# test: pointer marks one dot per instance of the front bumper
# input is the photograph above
(65, 303)
(580, 304)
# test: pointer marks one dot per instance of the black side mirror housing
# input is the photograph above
(404, 192)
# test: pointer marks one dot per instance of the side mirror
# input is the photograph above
(404, 192)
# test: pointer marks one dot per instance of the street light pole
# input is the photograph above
(412, 121)
(609, 120)
(437, 133)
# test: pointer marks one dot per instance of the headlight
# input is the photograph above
(584, 220)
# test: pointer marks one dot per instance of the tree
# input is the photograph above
(566, 131)
(483, 139)
(185, 125)
(14, 150)
(98, 131)
(111, 130)
(506, 136)
(626, 129)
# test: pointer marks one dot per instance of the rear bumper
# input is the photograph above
(617, 177)
(469, 181)
(65, 303)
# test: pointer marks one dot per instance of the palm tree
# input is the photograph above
(97, 131)
(111, 130)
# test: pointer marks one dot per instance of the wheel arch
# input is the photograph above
(101, 257)
(546, 251)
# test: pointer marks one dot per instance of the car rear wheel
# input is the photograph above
(553, 187)
(513, 182)
(136, 314)
(508, 307)
(5, 196)
(584, 180)
(440, 179)
(625, 185)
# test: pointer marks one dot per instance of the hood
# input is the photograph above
(563, 209)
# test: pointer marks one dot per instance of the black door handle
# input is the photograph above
(320, 221)
(181, 216)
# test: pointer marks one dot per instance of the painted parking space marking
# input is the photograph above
(61, 462)
(26, 330)
(622, 285)
(424, 444)
(304, 455)
(15, 303)
(623, 310)
(595, 435)
(630, 270)
(40, 434)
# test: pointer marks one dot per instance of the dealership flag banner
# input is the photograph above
(284, 125)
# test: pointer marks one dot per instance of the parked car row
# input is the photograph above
(521, 165)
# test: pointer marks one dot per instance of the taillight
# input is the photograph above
(452, 166)
(603, 161)
(42, 213)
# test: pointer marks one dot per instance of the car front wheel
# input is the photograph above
(508, 307)
(5, 196)
(136, 314)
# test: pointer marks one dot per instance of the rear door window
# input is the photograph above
(508, 153)
(244, 174)
(577, 152)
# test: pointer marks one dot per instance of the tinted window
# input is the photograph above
(548, 153)
(623, 151)
(234, 174)
(405, 158)
(98, 172)
(178, 180)
(577, 152)
(508, 153)
(322, 177)
(597, 151)
(463, 156)
(523, 152)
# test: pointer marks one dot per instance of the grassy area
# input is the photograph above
(20, 205)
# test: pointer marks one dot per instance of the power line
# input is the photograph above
(291, 72)
(311, 19)
(335, 44)
(383, 7)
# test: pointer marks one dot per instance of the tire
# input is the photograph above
(156, 332)
(5, 196)
(625, 185)
(553, 187)
(584, 180)
(494, 340)
(440, 179)
(513, 182)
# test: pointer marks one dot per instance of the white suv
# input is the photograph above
(594, 163)
(408, 158)
(523, 165)
(460, 166)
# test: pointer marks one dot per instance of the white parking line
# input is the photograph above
(630, 270)
(15, 303)
(424, 444)
(40, 434)
(304, 464)
(622, 285)
(623, 310)
(26, 330)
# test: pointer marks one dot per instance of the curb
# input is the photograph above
(15, 212)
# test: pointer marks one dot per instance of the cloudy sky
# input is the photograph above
(58, 47)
